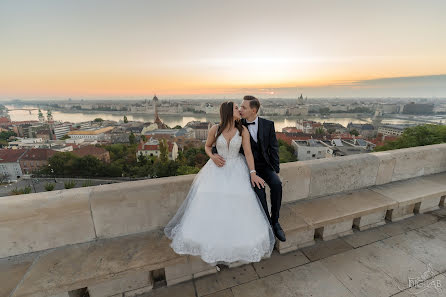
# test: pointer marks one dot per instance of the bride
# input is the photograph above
(221, 219)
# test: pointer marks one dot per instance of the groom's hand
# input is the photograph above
(218, 160)
(257, 181)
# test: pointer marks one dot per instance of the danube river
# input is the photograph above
(173, 120)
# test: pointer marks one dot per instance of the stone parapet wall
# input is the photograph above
(102, 236)
(40, 221)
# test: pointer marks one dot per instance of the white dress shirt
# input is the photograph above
(254, 128)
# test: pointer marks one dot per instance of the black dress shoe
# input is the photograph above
(279, 232)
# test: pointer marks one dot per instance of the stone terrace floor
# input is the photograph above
(375, 262)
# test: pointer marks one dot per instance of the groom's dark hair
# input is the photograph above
(253, 102)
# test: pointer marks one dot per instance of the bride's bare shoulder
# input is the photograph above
(214, 128)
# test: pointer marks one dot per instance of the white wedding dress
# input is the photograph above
(221, 219)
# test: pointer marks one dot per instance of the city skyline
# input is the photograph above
(205, 49)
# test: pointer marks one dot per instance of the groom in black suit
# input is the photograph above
(265, 150)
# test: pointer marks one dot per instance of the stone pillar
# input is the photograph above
(401, 212)
(370, 220)
(336, 230)
(428, 204)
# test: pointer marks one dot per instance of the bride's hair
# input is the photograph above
(226, 117)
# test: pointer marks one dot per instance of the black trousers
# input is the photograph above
(273, 181)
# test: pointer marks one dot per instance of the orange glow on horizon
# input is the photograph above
(80, 49)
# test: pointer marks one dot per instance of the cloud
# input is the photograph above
(409, 86)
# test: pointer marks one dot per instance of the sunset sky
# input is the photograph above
(212, 49)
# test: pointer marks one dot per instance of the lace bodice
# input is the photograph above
(231, 150)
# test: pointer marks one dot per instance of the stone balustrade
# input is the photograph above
(108, 239)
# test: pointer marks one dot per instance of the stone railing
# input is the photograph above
(36, 229)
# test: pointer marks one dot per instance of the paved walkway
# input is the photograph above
(385, 261)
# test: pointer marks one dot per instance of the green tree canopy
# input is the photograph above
(132, 138)
(319, 131)
(286, 152)
(354, 132)
(4, 135)
(164, 151)
(417, 136)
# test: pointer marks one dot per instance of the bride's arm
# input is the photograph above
(246, 143)
(218, 160)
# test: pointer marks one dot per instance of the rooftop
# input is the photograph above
(11, 155)
(89, 150)
(91, 131)
(199, 125)
(309, 142)
(38, 154)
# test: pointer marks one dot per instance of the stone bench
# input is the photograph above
(331, 216)
(335, 215)
(416, 195)
(128, 264)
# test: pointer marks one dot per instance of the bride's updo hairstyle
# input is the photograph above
(226, 117)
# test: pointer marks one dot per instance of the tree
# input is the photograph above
(354, 132)
(66, 136)
(183, 170)
(88, 166)
(164, 151)
(125, 119)
(417, 136)
(98, 120)
(319, 131)
(61, 163)
(114, 170)
(163, 169)
(286, 152)
(132, 138)
(284, 155)
(5, 135)
(177, 127)
(201, 159)
(142, 160)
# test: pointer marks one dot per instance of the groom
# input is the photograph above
(265, 150)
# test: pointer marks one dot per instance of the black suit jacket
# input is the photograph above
(268, 141)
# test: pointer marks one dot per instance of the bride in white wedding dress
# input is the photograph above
(221, 219)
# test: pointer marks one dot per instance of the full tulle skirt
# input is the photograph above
(221, 219)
